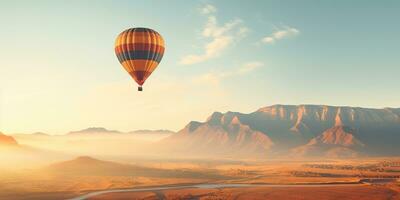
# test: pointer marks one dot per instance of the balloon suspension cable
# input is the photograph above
(140, 88)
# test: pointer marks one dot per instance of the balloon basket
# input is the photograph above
(140, 88)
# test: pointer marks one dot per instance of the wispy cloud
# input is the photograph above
(220, 36)
(249, 67)
(281, 33)
(216, 77)
(208, 9)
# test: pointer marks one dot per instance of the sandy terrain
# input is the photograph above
(299, 193)
(46, 184)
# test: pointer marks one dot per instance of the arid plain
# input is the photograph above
(276, 152)
(277, 179)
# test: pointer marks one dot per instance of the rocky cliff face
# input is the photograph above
(283, 128)
(338, 141)
(220, 135)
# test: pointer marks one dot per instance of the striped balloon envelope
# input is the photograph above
(139, 50)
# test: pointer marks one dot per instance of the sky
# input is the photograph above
(58, 70)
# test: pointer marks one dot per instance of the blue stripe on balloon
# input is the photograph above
(139, 55)
(140, 29)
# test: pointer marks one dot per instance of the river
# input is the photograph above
(212, 186)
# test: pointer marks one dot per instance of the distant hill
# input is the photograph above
(37, 135)
(94, 130)
(161, 131)
(40, 134)
(17, 155)
(7, 140)
(86, 165)
(338, 141)
(306, 129)
(104, 131)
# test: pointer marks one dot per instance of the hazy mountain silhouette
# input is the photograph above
(94, 130)
(86, 165)
(40, 134)
(101, 130)
(283, 128)
(7, 140)
(161, 131)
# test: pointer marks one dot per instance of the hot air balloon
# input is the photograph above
(139, 50)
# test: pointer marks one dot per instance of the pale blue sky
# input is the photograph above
(58, 71)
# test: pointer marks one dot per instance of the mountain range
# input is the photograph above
(278, 130)
(101, 130)
(298, 130)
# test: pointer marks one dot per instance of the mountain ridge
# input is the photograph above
(6, 140)
(92, 130)
(338, 141)
(287, 127)
(102, 130)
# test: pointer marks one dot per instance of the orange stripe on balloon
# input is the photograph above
(139, 46)
(138, 41)
(140, 65)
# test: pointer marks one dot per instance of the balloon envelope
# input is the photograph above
(139, 50)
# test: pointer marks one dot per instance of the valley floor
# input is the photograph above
(377, 178)
(349, 192)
